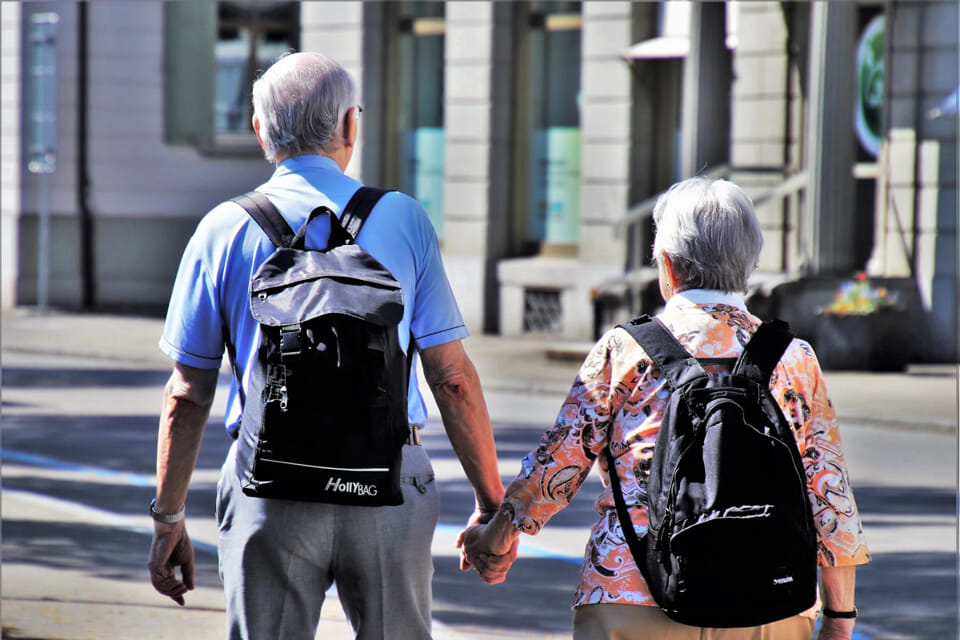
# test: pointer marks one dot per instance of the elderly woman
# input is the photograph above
(707, 244)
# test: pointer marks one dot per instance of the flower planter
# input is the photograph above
(877, 341)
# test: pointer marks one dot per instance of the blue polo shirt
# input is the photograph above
(210, 300)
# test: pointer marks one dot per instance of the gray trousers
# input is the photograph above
(279, 557)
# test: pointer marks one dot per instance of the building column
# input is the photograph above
(828, 234)
(338, 30)
(605, 134)
(10, 186)
(475, 141)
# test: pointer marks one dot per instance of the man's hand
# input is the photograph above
(491, 559)
(836, 629)
(171, 548)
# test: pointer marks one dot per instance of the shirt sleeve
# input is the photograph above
(193, 330)
(801, 391)
(436, 318)
(553, 473)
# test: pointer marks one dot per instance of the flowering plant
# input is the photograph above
(859, 298)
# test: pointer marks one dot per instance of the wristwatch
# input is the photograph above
(166, 518)
(830, 613)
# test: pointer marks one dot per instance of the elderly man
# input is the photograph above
(279, 557)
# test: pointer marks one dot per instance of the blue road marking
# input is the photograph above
(525, 546)
(123, 477)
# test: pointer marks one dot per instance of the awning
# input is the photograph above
(662, 47)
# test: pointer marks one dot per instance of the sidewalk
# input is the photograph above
(524, 369)
(924, 397)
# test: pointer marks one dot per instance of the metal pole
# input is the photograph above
(43, 241)
(43, 135)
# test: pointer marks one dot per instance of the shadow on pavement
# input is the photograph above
(23, 377)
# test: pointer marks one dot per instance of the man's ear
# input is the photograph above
(350, 127)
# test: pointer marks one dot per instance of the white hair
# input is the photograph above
(300, 102)
(710, 232)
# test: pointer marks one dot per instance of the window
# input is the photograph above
(420, 106)
(553, 205)
(212, 54)
(250, 37)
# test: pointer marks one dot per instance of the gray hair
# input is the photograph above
(300, 102)
(710, 232)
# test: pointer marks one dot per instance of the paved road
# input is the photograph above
(80, 400)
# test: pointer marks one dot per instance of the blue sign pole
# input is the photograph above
(43, 135)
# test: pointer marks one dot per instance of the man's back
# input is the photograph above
(228, 248)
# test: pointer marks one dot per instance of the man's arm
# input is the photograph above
(456, 387)
(187, 399)
(838, 594)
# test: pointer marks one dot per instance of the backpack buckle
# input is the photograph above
(291, 343)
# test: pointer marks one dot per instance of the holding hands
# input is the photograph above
(489, 544)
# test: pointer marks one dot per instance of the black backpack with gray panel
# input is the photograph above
(326, 414)
(731, 540)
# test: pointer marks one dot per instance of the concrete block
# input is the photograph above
(902, 155)
(466, 200)
(468, 12)
(897, 263)
(599, 244)
(468, 42)
(759, 119)
(606, 79)
(940, 20)
(605, 120)
(467, 81)
(511, 309)
(761, 27)
(603, 202)
(905, 28)
(928, 211)
(465, 237)
(763, 75)
(468, 120)
(331, 13)
(605, 39)
(903, 71)
(903, 199)
(903, 111)
(928, 156)
(605, 160)
(467, 159)
(940, 70)
(466, 276)
(602, 9)
(771, 256)
(756, 153)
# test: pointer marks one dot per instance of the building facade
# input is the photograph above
(536, 134)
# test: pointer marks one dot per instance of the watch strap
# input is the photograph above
(166, 518)
(831, 613)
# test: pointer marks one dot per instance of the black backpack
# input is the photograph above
(731, 541)
(326, 416)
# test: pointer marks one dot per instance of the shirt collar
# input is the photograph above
(703, 297)
(297, 164)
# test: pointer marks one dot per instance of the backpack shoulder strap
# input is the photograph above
(676, 364)
(265, 214)
(763, 352)
(358, 208)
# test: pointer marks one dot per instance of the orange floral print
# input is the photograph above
(618, 401)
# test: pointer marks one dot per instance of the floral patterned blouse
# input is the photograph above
(619, 396)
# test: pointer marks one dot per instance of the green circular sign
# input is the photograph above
(869, 99)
